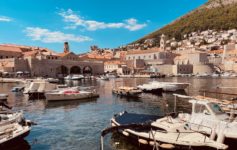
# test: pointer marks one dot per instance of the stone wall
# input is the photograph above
(201, 69)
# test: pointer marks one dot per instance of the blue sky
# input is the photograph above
(106, 23)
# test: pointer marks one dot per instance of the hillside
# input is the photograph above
(215, 14)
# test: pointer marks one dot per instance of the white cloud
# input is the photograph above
(47, 36)
(78, 21)
(5, 19)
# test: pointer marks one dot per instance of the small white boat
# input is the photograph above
(105, 78)
(165, 86)
(127, 91)
(3, 97)
(77, 77)
(74, 77)
(13, 131)
(52, 80)
(70, 94)
(149, 88)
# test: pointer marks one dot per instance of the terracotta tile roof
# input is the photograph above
(114, 62)
(10, 49)
(216, 51)
(152, 50)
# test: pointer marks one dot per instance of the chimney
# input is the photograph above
(66, 47)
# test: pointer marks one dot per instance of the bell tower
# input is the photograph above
(66, 47)
(163, 42)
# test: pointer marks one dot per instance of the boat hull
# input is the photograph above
(63, 97)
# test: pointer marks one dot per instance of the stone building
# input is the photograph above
(45, 62)
(115, 66)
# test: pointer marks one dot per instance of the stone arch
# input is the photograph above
(75, 70)
(62, 70)
(87, 70)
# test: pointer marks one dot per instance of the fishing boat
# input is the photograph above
(145, 131)
(127, 91)
(70, 94)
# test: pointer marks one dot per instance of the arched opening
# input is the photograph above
(87, 70)
(62, 70)
(75, 70)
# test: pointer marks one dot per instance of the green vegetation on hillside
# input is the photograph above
(219, 18)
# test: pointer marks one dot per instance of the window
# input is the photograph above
(215, 108)
(199, 108)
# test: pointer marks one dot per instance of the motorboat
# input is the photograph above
(13, 125)
(207, 116)
(171, 86)
(105, 78)
(156, 86)
(18, 89)
(52, 80)
(70, 94)
(77, 77)
(13, 132)
(127, 91)
(146, 130)
(148, 88)
(37, 89)
(74, 77)
(3, 97)
(203, 75)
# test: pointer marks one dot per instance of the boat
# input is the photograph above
(203, 75)
(3, 97)
(105, 78)
(127, 91)
(156, 86)
(37, 89)
(18, 89)
(207, 116)
(70, 94)
(74, 77)
(146, 131)
(148, 88)
(171, 86)
(13, 125)
(13, 132)
(77, 77)
(52, 80)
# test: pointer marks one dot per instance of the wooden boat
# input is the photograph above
(127, 91)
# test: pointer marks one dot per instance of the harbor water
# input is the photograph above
(76, 125)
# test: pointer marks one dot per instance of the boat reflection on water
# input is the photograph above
(16, 145)
(69, 104)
